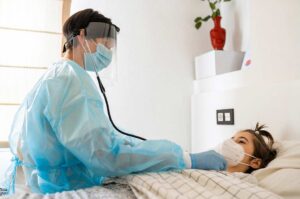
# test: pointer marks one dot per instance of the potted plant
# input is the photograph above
(217, 34)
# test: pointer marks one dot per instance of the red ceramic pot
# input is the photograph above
(218, 34)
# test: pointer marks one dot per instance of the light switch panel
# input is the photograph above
(220, 117)
(225, 116)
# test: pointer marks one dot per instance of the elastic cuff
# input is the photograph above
(187, 160)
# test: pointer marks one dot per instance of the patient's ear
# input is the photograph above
(255, 163)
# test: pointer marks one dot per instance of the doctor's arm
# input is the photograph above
(83, 128)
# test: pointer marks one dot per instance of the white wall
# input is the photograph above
(156, 49)
(5, 157)
(236, 21)
(275, 32)
(276, 105)
(268, 91)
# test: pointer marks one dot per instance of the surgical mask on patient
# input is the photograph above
(232, 152)
(100, 59)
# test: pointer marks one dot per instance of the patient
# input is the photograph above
(248, 150)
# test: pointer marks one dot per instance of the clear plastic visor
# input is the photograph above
(95, 49)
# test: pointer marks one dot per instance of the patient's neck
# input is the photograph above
(237, 168)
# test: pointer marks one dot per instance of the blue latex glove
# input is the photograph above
(208, 160)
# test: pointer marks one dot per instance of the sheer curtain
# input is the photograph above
(30, 41)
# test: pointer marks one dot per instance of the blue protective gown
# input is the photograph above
(65, 140)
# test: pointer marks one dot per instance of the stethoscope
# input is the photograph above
(102, 89)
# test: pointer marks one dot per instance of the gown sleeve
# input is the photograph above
(75, 112)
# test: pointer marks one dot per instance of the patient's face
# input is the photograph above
(244, 139)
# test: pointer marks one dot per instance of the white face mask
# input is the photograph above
(232, 152)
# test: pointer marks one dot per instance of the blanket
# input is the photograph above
(197, 184)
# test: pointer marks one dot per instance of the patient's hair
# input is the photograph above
(263, 145)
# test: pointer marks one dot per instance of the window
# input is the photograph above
(31, 40)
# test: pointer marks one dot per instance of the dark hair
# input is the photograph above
(81, 20)
(262, 150)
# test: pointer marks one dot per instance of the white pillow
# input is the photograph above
(282, 175)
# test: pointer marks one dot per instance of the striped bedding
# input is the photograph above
(197, 184)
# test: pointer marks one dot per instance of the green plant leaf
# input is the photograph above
(198, 25)
(212, 6)
(198, 19)
(214, 14)
(218, 13)
(206, 18)
(226, 0)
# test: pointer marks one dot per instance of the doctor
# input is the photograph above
(61, 136)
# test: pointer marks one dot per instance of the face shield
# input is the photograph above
(95, 48)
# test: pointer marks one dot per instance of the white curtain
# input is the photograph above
(30, 41)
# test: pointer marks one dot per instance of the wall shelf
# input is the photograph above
(217, 62)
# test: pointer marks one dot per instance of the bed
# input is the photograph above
(281, 179)
(175, 184)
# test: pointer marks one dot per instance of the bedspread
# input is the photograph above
(197, 184)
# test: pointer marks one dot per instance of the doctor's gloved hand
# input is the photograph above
(208, 160)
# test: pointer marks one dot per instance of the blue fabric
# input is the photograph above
(99, 59)
(62, 132)
(208, 160)
(7, 185)
(16, 163)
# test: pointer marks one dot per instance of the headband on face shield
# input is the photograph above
(99, 50)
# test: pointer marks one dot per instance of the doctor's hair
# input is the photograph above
(263, 145)
(78, 21)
